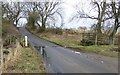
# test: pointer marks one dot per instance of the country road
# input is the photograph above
(63, 60)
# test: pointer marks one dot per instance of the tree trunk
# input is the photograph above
(43, 24)
(111, 37)
(33, 24)
(98, 32)
(99, 27)
(16, 22)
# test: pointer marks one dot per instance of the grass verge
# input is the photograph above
(28, 61)
(105, 50)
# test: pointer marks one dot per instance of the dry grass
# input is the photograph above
(73, 41)
(26, 61)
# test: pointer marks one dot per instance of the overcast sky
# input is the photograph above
(70, 10)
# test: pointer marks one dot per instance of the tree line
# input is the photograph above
(43, 14)
(39, 13)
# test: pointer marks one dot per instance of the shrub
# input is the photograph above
(86, 42)
(58, 31)
(70, 31)
(54, 31)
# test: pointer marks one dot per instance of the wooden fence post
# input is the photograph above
(1, 57)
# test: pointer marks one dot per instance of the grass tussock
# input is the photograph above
(27, 61)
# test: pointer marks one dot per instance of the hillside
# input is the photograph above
(17, 58)
(9, 29)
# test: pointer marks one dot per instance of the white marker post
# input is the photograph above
(26, 42)
(41, 50)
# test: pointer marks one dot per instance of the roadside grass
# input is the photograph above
(73, 43)
(105, 50)
(28, 61)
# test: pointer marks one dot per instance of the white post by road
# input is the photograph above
(41, 50)
(26, 42)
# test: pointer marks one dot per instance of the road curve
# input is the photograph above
(63, 60)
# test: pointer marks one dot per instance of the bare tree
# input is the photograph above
(116, 17)
(103, 15)
(101, 10)
(12, 11)
(47, 11)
